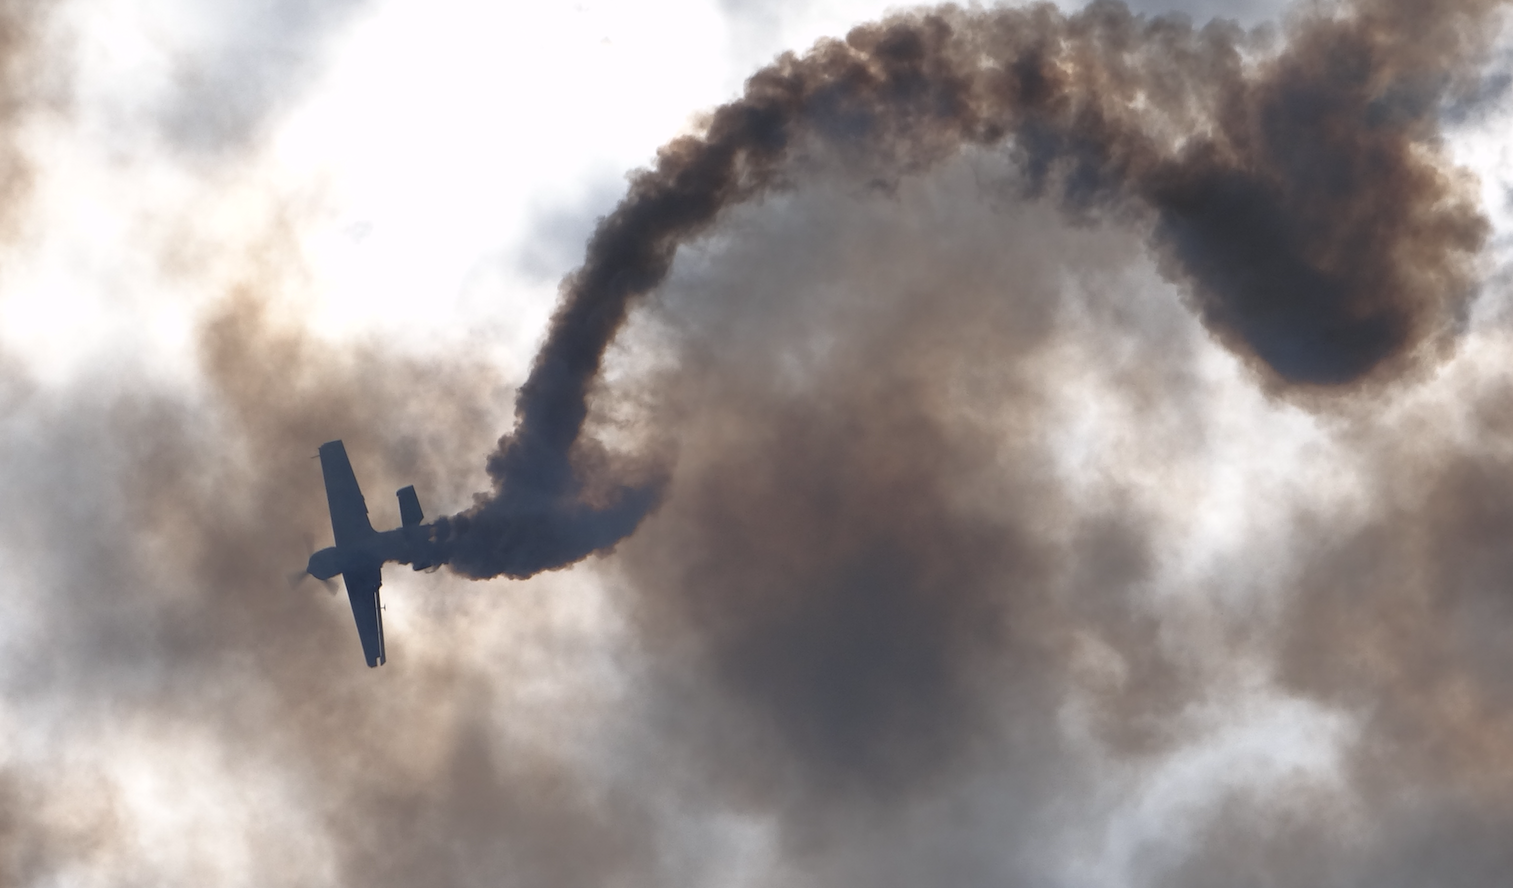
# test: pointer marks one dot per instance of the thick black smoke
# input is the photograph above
(1300, 195)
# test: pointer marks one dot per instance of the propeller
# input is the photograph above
(298, 577)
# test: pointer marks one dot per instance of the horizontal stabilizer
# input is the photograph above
(409, 507)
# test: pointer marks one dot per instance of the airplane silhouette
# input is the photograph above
(360, 551)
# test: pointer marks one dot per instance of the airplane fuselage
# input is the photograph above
(415, 546)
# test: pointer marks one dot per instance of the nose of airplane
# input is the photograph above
(325, 564)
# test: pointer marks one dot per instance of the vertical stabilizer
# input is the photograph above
(409, 507)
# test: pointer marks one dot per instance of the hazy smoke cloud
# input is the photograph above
(21, 88)
(865, 544)
(1301, 196)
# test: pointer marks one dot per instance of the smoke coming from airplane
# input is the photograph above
(1299, 194)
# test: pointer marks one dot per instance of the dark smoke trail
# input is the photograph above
(1302, 197)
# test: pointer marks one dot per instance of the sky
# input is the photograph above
(1002, 525)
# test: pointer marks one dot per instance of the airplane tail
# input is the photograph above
(409, 507)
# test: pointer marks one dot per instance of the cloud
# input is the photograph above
(244, 66)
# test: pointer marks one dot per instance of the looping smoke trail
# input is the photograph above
(1302, 197)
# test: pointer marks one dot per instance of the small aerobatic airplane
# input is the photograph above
(360, 551)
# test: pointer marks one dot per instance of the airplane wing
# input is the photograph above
(349, 511)
(362, 590)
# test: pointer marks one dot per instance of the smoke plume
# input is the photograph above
(1300, 196)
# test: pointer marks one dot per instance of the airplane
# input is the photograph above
(360, 551)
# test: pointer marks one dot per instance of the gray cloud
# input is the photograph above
(257, 56)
